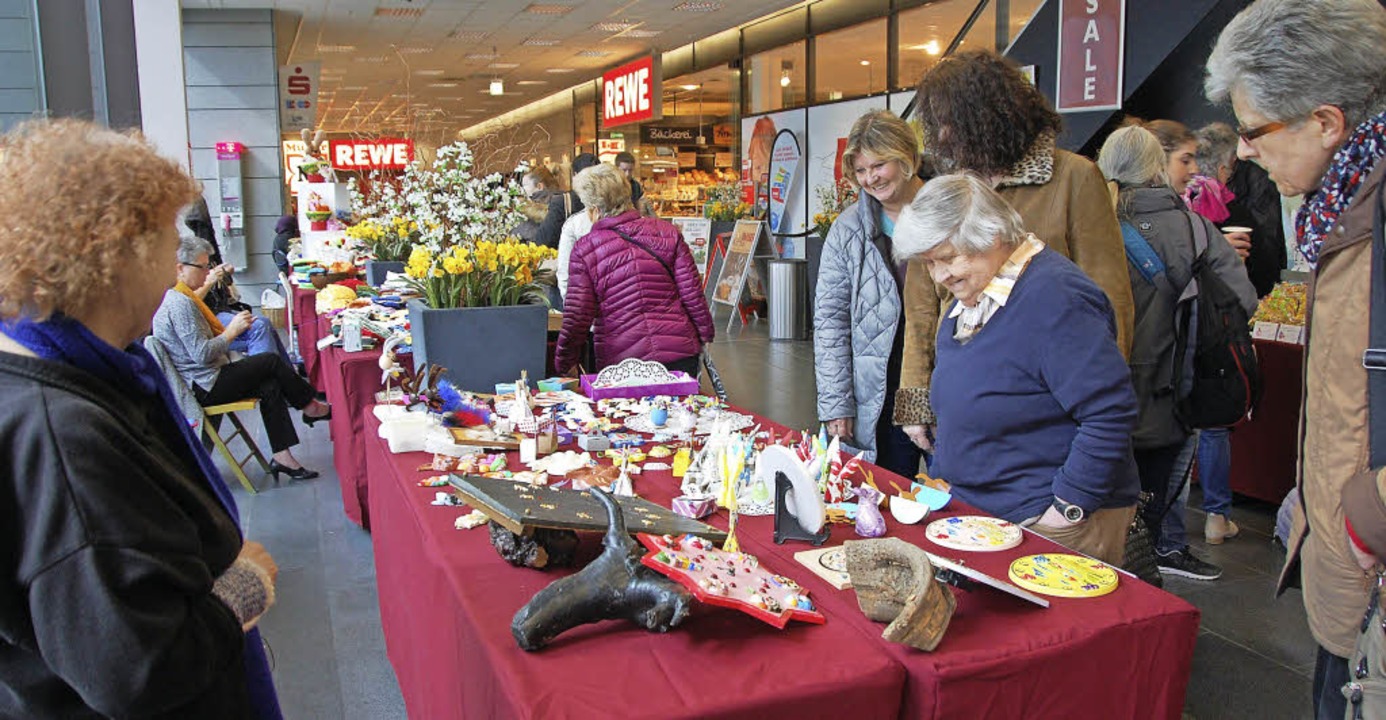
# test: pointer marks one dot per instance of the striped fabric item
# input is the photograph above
(972, 319)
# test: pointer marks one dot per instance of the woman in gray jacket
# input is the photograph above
(1134, 159)
(858, 325)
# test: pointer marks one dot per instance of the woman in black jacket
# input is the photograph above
(126, 589)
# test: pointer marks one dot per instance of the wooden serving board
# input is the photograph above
(519, 507)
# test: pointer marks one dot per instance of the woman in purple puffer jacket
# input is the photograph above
(633, 281)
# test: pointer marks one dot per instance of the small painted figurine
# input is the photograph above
(870, 522)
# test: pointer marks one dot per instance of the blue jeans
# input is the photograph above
(1173, 537)
(1162, 471)
(260, 339)
(1330, 674)
(1215, 469)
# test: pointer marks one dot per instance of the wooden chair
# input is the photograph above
(206, 419)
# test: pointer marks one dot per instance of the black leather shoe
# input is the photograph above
(309, 421)
(298, 473)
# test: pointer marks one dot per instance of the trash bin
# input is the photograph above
(788, 299)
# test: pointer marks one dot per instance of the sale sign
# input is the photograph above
(298, 96)
(1092, 41)
(631, 93)
(379, 154)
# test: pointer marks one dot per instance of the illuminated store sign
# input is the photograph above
(631, 93)
(381, 154)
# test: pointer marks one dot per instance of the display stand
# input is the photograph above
(748, 244)
(315, 200)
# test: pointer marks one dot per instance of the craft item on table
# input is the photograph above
(843, 513)
(561, 463)
(439, 441)
(936, 483)
(601, 476)
(390, 369)
(770, 460)
(405, 433)
(634, 454)
(659, 415)
(614, 586)
(907, 511)
(1062, 575)
(894, 583)
(434, 481)
(660, 451)
(622, 486)
(682, 459)
(921, 493)
(485, 437)
(829, 563)
(538, 549)
(593, 442)
(656, 466)
(977, 533)
(531, 477)
(472, 519)
(555, 384)
(385, 412)
(959, 575)
(420, 390)
(799, 513)
(446, 498)
(462, 409)
(694, 507)
(625, 440)
(633, 378)
(729, 579)
(522, 408)
(870, 522)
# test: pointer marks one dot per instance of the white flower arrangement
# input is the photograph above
(450, 204)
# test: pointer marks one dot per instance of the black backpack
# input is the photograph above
(1216, 376)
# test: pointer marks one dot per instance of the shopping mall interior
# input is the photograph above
(312, 111)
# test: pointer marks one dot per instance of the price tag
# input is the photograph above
(351, 333)
(1265, 330)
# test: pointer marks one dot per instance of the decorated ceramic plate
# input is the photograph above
(1070, 576)
(681, 421)
(973, 532)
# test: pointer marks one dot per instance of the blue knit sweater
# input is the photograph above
(1039, 403)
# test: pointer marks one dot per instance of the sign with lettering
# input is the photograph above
(1092, 46)
(631, 93)
(380, 154)
(294, 150)
(664, 135)
(298, 96)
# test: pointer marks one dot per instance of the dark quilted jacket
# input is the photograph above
(627, 297)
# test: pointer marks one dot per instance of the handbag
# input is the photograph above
(1366, 686)
(706, 357)
(1140, 547)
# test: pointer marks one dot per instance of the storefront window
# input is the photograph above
(925, 33)
(691, 150)
(850, 63)
(777, 79)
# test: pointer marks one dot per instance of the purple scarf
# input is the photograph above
(64, 340)
(1353, 162)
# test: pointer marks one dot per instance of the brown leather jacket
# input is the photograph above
(1062, 199)
(1333, 472)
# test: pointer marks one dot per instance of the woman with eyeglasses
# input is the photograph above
(1307, 81)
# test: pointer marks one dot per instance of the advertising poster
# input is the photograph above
(757, 147)
(828, 129)
(298, 96)
(784, 170)
(697, 232)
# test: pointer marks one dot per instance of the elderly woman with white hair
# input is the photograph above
(1155, 217)
(1032, 396)
(1307, 81)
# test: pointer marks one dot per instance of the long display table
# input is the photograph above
(447, 599)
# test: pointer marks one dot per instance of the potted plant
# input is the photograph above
(386, 244)
(832, 201)
(724, 207)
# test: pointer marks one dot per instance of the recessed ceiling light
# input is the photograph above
(353, 87)
(641, 33)
(697, 6)
(543, 9)
(612, 27)
(468, 35)
(593, 53)
(533, 82)
(429, 72)
(481, 56)
(443, 84)
(371, 58)
(398, 12)
(559, 70)
(535, 42)
(503, 66)
(413, 50)
(336, 48)
(690, 87)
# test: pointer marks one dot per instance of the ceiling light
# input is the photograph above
(697, 6)
(429, 72)
(443, 84)
(534, 42)
(353, 87)
(503, 66)
(497, 87)
(593, 53)
(468, 35)
(542, 9)
(784, 79)
(690, 87)
(371, 58)
(533, 82)
(641, 33)
(336, 48)
(865, 63)
(481, 56)
(413, 50)
(398, 12)
(931, 47)
(559, 70)
(612, 27)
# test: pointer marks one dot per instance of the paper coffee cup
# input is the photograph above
(1237, 229)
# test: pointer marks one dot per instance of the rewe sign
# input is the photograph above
(631, 93)
(1092, 39)
(381, 154)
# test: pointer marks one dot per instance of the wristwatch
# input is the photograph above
(1071, 512)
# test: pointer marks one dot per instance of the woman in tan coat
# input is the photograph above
(1306, 83)
(980, 114)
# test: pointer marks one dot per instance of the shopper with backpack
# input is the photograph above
(1166, 247)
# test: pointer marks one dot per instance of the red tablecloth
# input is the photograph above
(306, 323)
(446, 601)
(351, 380)
(1264, 450)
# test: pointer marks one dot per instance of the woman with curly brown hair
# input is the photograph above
(126, 589)
(981, 115)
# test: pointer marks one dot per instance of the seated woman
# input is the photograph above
(128, 589)
(1032, 396)
(633, 281)
(199, 347)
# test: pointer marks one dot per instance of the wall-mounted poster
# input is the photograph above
(697, 232)
(757, 148)
(829, 126)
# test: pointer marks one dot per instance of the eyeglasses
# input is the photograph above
(1249, 134)
(208, 266)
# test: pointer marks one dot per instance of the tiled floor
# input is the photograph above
(1254, 657)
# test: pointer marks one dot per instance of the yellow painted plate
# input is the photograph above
(977, 533)
(1070, 576)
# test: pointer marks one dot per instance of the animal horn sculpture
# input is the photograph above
(614, 586)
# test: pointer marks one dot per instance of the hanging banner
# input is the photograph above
(1092, 42)
(784, 169)
(298, 96)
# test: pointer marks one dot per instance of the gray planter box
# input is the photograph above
(376, 269)
(481, 346)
